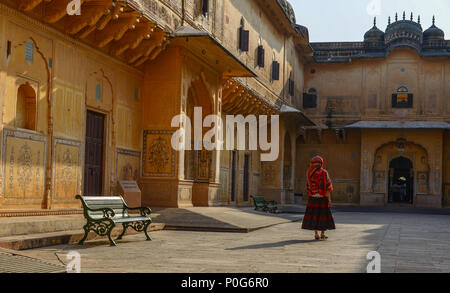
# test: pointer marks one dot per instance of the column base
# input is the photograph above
(166, 193)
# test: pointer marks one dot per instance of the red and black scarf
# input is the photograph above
(318, 180)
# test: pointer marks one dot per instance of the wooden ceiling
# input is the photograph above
(237, 99)
(110, 26)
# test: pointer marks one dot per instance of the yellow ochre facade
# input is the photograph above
(88, 100)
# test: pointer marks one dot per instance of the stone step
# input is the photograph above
(30, 241)
(16, 226)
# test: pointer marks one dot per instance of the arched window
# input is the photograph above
(244, 37)
(26, 107)
(402, 89)
(402, 98)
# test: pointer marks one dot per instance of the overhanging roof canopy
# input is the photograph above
(203, 44)
(399, 125)
(293, 113)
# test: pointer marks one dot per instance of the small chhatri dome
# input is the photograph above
(288, 10)
(434, 32)
(404, 32)
(374, 34)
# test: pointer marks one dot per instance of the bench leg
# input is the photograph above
(86, 233)
(111, 241)
(125, 226)
(146, 232)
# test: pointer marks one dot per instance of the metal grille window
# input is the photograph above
(29, 51)
(261, 58)
(275, 70)
(291, 85)
(244, 37)
(310, 99)
(402, 98)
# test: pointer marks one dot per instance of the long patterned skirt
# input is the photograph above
(318, 215)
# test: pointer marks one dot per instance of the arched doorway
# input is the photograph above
(401, 181)
(199, 162)
(26, 107)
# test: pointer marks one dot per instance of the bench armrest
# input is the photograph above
(144, 211)
(107, 212)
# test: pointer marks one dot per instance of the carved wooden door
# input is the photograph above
(93, 166)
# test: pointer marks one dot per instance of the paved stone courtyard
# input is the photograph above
(406, 242)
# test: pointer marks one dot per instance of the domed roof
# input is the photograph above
(374, 34)
(433, 32)
(404, 33)
(288, 10)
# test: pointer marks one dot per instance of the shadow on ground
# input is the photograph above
(272, 245)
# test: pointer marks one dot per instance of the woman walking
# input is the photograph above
(318, 215)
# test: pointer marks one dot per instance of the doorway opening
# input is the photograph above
(233, 176)
(93, 166)
(246, 177)
(401, 181)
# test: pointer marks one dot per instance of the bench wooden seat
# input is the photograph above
(103, 213)
(262, 205)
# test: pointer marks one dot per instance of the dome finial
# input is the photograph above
(412, 16)
(389, 20)
(434, 19)
(404, 15)
(418, 19)
(396, 16)
(375, 21)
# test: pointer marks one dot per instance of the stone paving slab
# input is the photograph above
(11, 262)
(221, 219)
(286, 248)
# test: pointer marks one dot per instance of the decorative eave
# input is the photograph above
(204, 45)
(238, 99)
(346, 52)
(399, 125)
(113, 27)
(295, 115)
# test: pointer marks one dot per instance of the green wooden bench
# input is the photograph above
(263, 205)
(104, 213)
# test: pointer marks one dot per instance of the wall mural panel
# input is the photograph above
(159, 158)
(128, 165)
(271, 174)
(24, 159)
(66, 171)
(340, 105)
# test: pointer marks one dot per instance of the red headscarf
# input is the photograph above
(318, 180)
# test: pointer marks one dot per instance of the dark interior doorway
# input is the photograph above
(246, 177)
(93, 166)
(233, 176)
(401, 181)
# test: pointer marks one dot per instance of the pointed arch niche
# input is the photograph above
(388, 152)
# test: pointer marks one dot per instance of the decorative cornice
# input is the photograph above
(38, 27)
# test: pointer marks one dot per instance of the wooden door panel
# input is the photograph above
(93, 170)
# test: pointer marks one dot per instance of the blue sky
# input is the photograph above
(348, 20)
